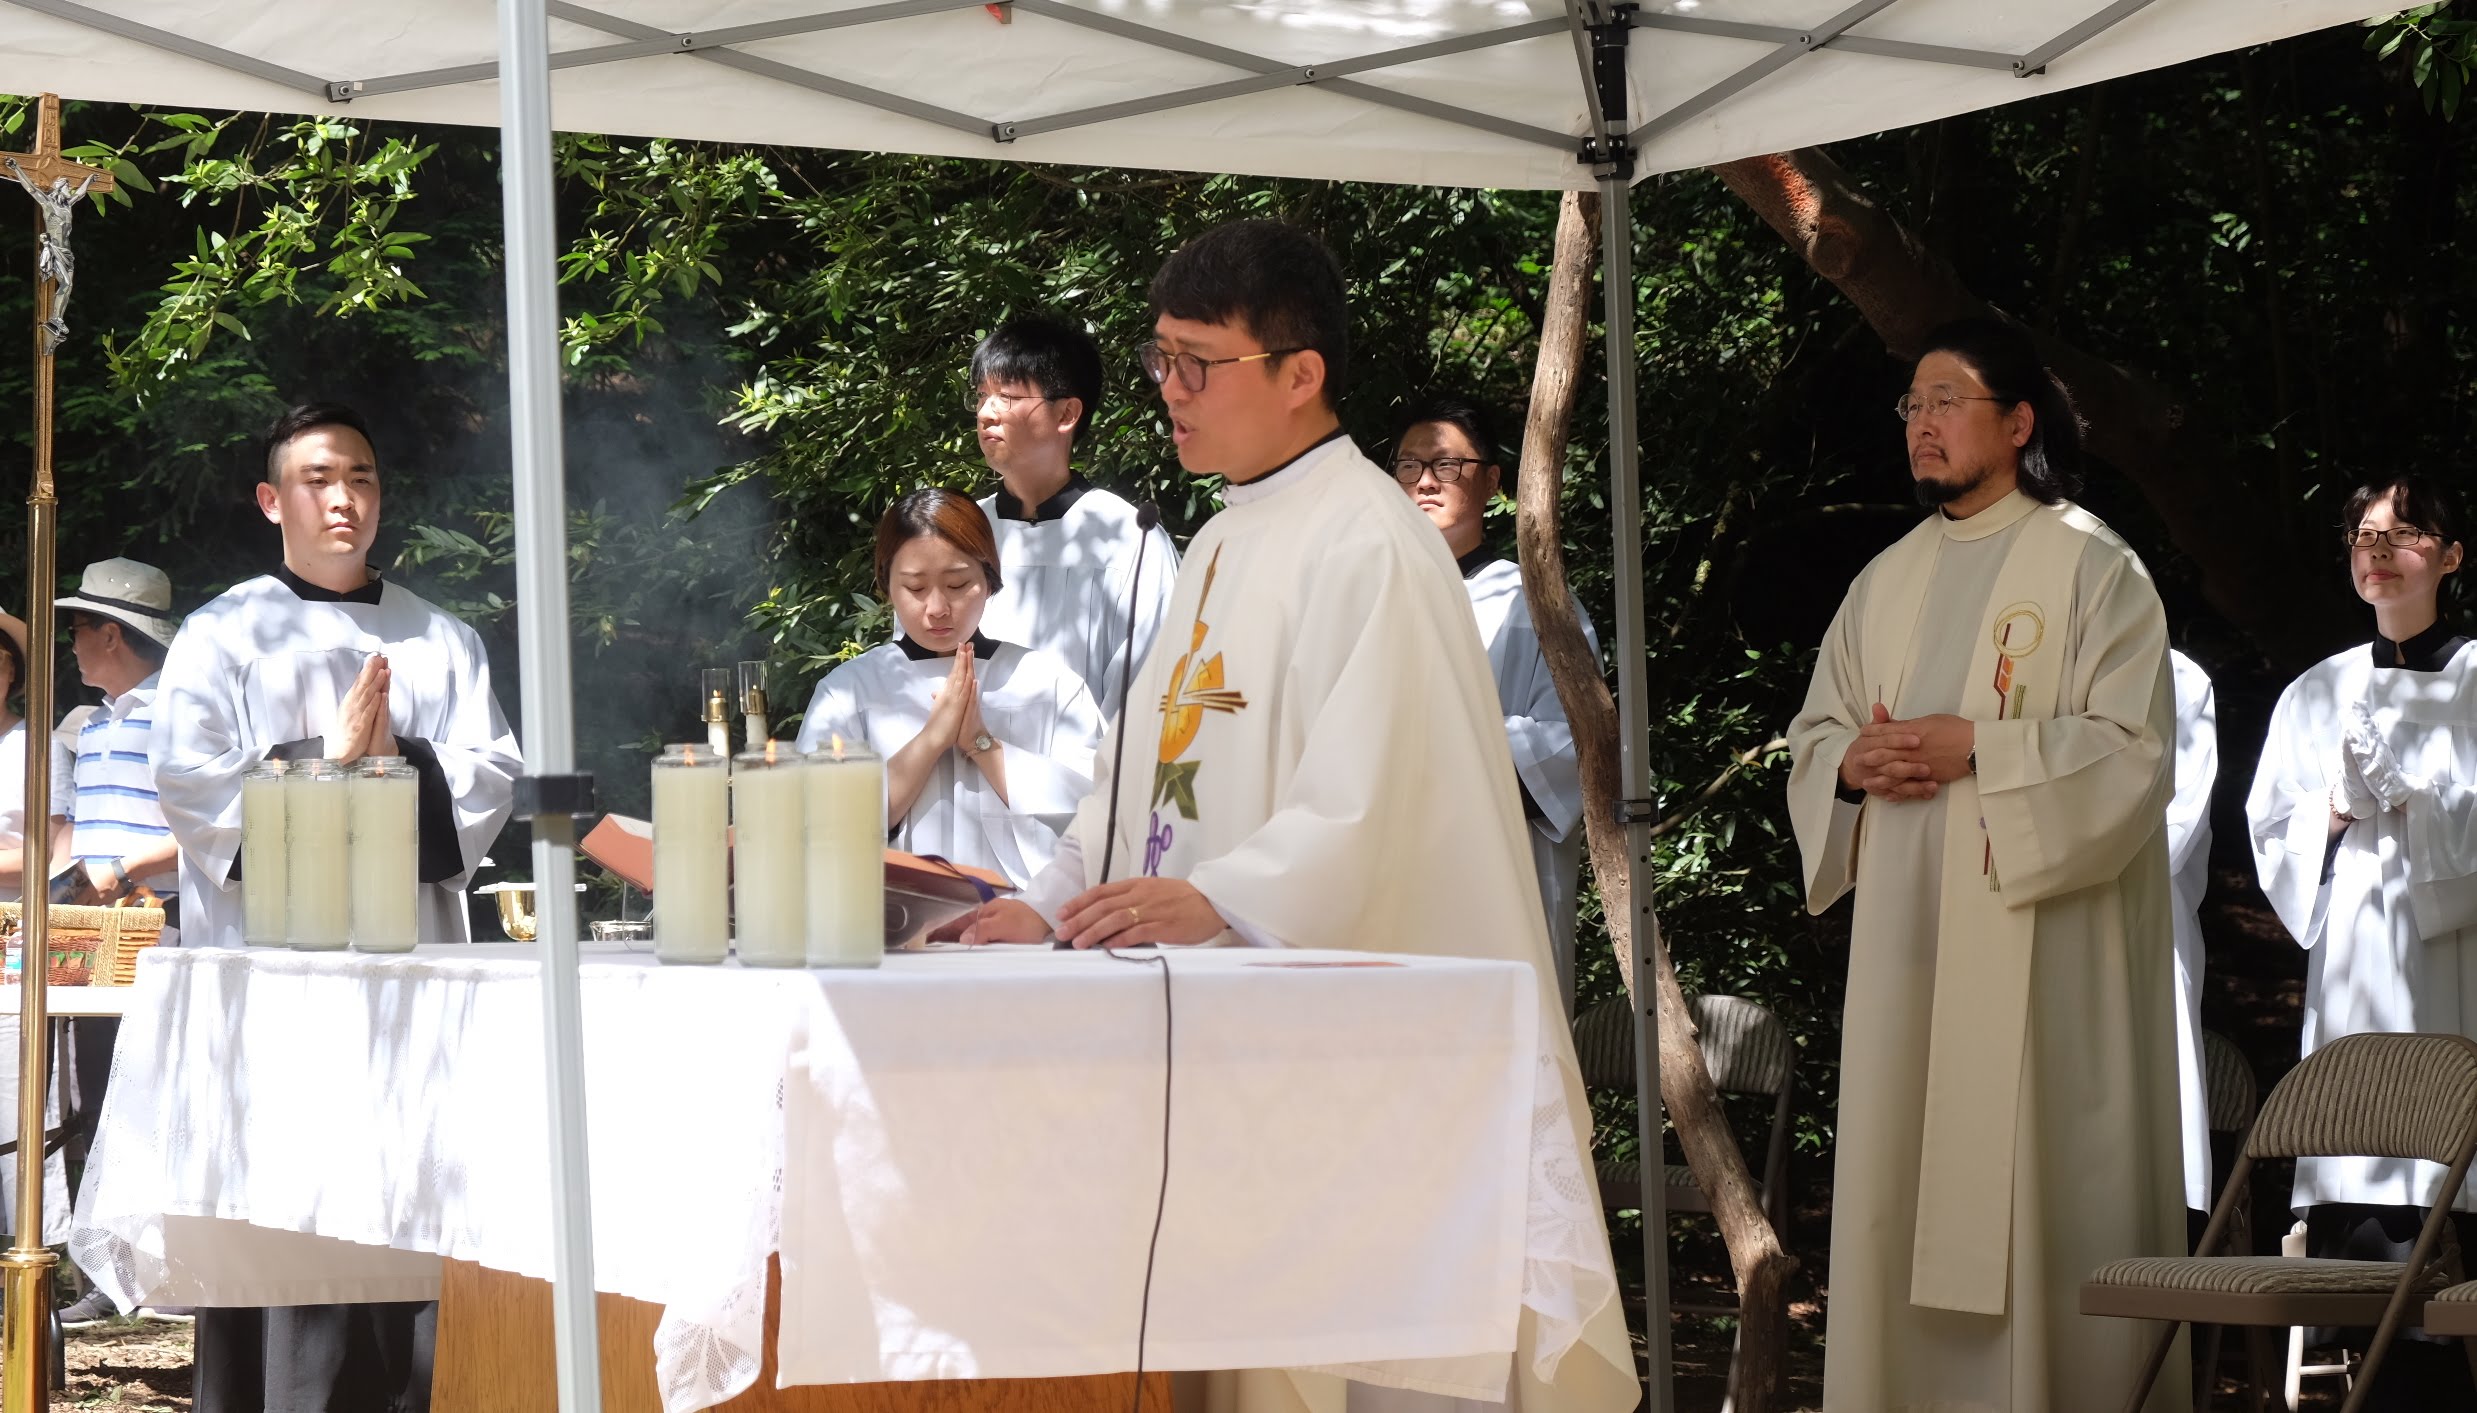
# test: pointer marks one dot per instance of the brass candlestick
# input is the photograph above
(718, 711)
(753, 704)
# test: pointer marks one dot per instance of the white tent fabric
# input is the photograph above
(1512, 114)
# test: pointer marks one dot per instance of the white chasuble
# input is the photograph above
(2188, 869)
(2008, 1117)
(1542, 741)
(1316, 745)
(2388, 915)
(1069, 582)
(260, 667)
(1029, 703)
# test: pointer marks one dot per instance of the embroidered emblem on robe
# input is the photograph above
(1195, 688)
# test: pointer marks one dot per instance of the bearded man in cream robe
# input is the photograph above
(1985, 758)
(1316, 758)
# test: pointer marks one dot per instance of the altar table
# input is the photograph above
(955, 1157)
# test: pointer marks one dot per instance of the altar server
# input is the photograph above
(1316, 757)
(323, 658)
(1984, 757)
(2188, 868)
(1067, 548)
(2364, 820)
(1446, 456)
(988, 745)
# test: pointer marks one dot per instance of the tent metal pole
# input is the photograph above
(540, 503)
(1625, 497)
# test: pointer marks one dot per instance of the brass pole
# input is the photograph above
(25, 1344)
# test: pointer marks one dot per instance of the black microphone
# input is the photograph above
(1147, 516)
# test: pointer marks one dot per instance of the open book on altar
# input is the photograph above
(921, 892)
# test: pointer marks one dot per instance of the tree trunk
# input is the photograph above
(1761, 1264)
(2181, 468)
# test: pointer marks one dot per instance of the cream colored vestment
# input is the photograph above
(2008, 1099)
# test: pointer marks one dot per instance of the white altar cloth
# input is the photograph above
(1360, 1171)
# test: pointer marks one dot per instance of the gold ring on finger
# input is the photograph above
(1134, 916)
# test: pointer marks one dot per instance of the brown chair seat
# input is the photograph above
(2454, 1311)
(2248, 1290)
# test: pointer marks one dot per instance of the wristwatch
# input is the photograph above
(982, 741)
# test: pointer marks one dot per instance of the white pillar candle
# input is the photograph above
(846, 857)
(769, 882)
(318, 897)
(692, 855)
(262, 855)
(385, 806)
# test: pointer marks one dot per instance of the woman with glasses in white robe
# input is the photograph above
(2364, 822)
(988, 745)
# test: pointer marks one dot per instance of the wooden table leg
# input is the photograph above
(494, 1356)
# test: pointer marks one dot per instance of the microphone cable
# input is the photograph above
(1161, 1197)
(1147, 516)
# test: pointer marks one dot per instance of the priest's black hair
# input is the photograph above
(2005, 358)
(308, 417)
(1474, 421)
(1271, 278)
(1046, 352)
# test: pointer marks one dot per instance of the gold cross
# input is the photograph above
(45, 164)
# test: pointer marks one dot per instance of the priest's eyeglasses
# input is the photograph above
(2400, 536)
(1159, 362)
(1909, 406)
(1448, 469)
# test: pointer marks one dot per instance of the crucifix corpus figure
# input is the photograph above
(57, 185)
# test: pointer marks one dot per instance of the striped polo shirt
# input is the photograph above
(114, 810)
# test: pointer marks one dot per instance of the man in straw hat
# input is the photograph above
(120, 624)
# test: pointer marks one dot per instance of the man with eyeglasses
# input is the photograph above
(1445, 456)
(1314, 757)
(1985, 758)
(1067, 549)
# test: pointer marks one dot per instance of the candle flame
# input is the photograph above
(689, 756)
(769, 750)
(838, 746)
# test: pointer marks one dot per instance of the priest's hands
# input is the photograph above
(1134, 911)
(1883, 761)
(1908, 760)
(1006, 920)
(362, 721)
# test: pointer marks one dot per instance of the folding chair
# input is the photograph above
(2389, 1096)
(1749, 1052)
(2231, 1094)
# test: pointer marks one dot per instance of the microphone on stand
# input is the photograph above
(1147, 516)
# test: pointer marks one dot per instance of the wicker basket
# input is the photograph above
(90, 946)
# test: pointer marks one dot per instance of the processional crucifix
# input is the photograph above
(57, 185)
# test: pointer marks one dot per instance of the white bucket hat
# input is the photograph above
(135, 595)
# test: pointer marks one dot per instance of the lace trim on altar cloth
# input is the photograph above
(708, 1348)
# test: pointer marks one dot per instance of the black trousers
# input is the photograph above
(316, 1359)
(2421, 1373)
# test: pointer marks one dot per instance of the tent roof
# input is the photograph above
(1445, 92)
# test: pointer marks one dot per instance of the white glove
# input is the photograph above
(2371, 755)
(2349, 793)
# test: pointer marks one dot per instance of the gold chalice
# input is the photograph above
(516, 917)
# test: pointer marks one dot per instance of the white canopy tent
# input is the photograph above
(1542, 94)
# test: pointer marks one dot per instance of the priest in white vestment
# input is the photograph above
(988, 745)
(324, 660)
(1316, 759)
(2188, 869)
(1985, 759)
(1084, 580)
(1446, 456)
(2364, 820)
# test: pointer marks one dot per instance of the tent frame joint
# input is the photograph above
(1608, 153)
(571, 795)
(1636, 812)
